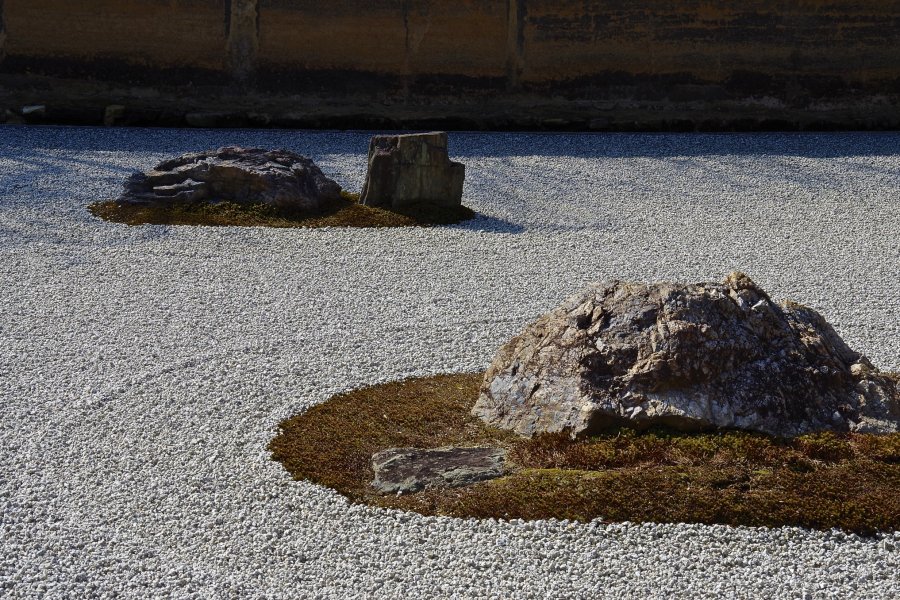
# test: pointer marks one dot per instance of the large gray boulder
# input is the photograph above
(407, 171)
(278, 178)
(408, 470)
(689, 356)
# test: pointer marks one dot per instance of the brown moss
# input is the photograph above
(820, 481)
(332, 443)
(345, 213)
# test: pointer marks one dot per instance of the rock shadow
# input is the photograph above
(483, 223)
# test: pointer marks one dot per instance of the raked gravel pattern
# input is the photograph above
(143, 370)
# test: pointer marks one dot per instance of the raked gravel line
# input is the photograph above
(143, 370)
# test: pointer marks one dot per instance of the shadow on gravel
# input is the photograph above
(15, 139)
(665, 145)
(487, 224)
(463, 144)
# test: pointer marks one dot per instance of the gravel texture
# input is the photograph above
(143, 370)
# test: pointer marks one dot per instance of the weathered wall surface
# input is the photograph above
(154, 33)
(511, 62)
(712, 39)
(464, 37)
(2, 33)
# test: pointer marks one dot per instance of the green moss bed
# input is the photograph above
(821, 481)
(348, 212)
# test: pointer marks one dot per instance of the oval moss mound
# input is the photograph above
(821, 481)
(346, 213)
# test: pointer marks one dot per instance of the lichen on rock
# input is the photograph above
(688, 356)
(412, 170)
(408, 470)
(277, 178)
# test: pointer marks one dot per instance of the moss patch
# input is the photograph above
(821, 481)
(345, 213)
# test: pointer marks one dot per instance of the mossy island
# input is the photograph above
(410, 182)
(611, 406)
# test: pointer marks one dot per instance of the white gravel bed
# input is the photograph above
(143, 370)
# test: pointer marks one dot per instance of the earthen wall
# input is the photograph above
(801, 53)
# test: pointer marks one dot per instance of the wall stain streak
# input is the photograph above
(242, 31)
(405, 5)
(516, 12)
(521, 16)
(2, 34)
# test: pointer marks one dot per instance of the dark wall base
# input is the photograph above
(80, 94)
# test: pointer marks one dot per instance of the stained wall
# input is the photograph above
(799, 52)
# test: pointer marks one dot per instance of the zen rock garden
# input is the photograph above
(705, 402)
(685, 356)
(714, 372)
(410, 181)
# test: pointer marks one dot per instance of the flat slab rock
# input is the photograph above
(689, 356)
(408, 470)
(278, 178)
(412, 170)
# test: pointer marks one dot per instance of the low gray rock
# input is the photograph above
(407, 470)
(690, 356)
(34, 110)
(242, 175)
(406, 171)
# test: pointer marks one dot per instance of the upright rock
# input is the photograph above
(406, 171)
(690, 356)
(242, 175)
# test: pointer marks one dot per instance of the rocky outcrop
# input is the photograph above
(407, 470)
(242, 175)
(689, 356)
(406, 171)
